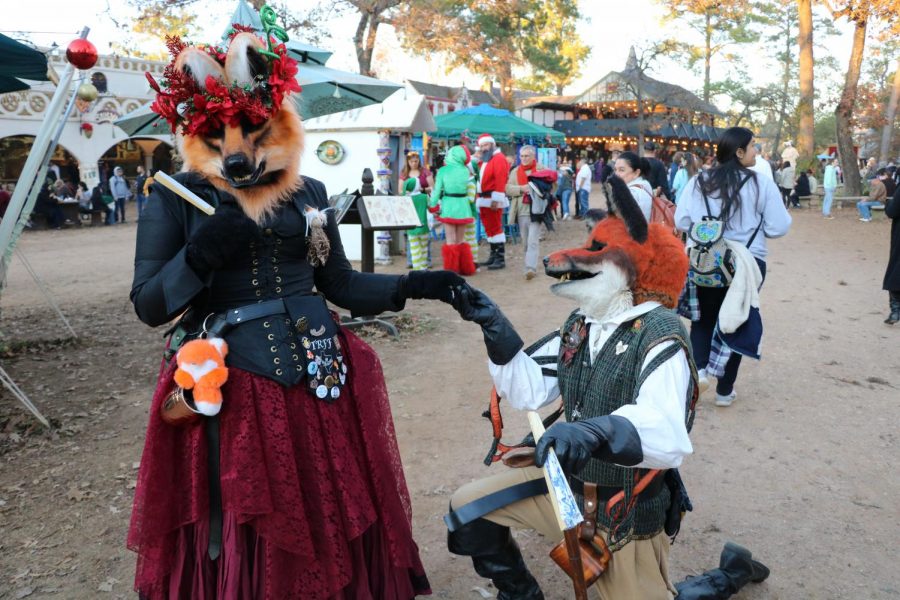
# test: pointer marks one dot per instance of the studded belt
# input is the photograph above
(218, 324)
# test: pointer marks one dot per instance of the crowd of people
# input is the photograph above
(108, 197)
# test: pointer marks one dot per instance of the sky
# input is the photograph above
(610, 27)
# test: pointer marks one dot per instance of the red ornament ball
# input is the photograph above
(82, 54)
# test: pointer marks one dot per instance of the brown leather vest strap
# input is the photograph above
(589, 526)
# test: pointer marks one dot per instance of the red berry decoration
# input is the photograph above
(82, 54)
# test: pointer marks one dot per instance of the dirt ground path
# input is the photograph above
(801, 469)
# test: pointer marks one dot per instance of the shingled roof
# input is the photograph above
(433, 90)
(652, 89)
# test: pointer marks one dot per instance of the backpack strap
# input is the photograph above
(746, 178)
(756, 231)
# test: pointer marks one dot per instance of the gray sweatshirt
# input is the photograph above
(118, 187)
(760, 200)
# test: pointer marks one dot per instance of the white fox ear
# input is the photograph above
(244, 63)
(198, 64)
(219, 345)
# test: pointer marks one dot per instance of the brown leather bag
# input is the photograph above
(595, 554)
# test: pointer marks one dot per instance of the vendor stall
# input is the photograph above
(340, 145)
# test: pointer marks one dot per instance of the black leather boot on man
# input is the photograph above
(491, 258)
(497, 557)
(894, 317)
(736, 569)
(500, 259)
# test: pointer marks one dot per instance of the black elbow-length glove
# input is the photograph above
(500, 339)
(430, 285)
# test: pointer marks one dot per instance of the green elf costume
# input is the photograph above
(418, 236)
(450, 202)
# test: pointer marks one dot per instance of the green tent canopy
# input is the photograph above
(504, 126)
(18, 61)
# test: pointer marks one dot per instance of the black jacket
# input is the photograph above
(658, 176)
(165, 286)
(892, 272)
(802, 187)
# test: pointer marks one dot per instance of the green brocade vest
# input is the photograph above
(611, 382)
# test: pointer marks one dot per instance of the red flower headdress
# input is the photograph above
(181, 101)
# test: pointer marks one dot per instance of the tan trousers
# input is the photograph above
(640, 570)
(531, 239)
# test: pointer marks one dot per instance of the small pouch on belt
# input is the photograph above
(595, 554)
(318, 332)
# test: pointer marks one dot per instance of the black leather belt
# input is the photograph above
(604, 492)
(455, 195)
(488, 504)
(221, 323)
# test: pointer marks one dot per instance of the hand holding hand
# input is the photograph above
(432, 285)
(500, 338)
(474, 305)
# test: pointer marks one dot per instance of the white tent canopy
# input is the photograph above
(401, 111)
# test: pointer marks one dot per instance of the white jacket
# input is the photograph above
(643, 195)
(743, 291)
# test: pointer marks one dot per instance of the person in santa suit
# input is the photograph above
(492, 198)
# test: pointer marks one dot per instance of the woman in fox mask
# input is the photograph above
(295, 489)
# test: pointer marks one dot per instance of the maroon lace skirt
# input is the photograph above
(314, 499)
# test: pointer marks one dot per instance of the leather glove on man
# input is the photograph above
(501, 340)
(431, 285)
(610, 438)
(220, 239)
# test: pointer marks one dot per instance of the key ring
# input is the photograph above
(204, 332)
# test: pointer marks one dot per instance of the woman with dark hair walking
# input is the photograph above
(634, 170)
(751, 211)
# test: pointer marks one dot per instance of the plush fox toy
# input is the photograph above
(201, 367)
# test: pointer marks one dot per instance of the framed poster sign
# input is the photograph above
(388, 212)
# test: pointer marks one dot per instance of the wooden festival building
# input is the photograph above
(606, 116)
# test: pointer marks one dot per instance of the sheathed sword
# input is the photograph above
(568, 516)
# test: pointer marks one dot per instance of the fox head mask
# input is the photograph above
(625, 261)
(233, 117)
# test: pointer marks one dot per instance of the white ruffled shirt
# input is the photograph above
(658, 413)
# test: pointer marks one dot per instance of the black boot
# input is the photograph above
(895, 309)
(736, 569)
(495, 556)
(491, 258)
(500, 259)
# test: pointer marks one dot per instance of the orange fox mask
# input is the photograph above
(624, 260)
(201, 368)
(252, 149)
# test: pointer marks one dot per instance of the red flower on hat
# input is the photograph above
(181, 101)
(282, 79)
